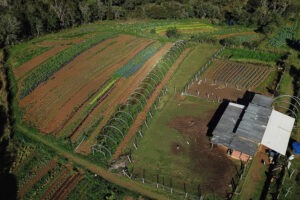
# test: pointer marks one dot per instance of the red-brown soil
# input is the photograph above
(57, 47)
(65, 189)
(213, 164)
(142, 115)
(56, 184)
(36, 178)
(26, 67)
(118, 96)
(51, 105)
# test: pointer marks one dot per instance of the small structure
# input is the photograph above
(242, 129)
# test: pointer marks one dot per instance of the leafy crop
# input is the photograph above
(237, 54)
(138, 61)
(48, 68)
(283, 34)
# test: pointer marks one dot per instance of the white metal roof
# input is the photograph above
(278, 131)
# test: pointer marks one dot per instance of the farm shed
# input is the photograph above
(223, 133)
(242, 129)
(278, 132)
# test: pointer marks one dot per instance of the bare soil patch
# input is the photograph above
(213, 164)
(215, 92)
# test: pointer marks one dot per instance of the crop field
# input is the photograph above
(70, 94)
(237, 75)
(120, 100)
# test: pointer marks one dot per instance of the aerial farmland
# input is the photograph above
(153, 109)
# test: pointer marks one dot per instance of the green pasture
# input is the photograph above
(192, 63)
(154, 154)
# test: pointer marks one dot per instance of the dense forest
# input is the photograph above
(21, 19)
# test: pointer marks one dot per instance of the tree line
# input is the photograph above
(20, 19)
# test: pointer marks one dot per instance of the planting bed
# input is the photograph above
(238, 75)
(51, 105)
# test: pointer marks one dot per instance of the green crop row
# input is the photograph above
(244, 54)
(138, 61)
(104, 90)
(28, 55)
(49, 67)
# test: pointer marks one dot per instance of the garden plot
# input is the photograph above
(54, 102)
(228, 80)
(119, 94)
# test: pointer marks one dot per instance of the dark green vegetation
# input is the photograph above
(21, 19)
(251, 55)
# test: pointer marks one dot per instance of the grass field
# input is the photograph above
(189, 164)
(191, 64)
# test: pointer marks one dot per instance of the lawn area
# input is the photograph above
(182, 155)
(252, 185)
(191, 64)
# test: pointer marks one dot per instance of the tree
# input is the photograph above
(10, 28)
(85, 11)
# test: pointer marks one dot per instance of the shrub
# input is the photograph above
(172, 32)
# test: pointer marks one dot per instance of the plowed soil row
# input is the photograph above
(67, 187)
(43, 171)
(36, 61)
(142, 115)
(57, 47)
(118, 96)
(52, 103)
(238, 74)
(56, 184)
(120, 93)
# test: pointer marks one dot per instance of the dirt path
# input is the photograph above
(142, 115)
(117, 97)
(36, 61)
(121, 181)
